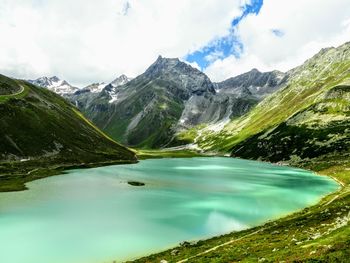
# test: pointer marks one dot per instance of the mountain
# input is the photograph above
(305, 123)
(234, 97)
(171, 96)
(38, 126)
(308, 118)
(112, 88)
(95, 87)
(121, 80)
(145, 110)
(84, 97)
(54, 84)
(254, 82)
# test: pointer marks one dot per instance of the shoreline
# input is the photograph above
(324, 202)
(16, 182)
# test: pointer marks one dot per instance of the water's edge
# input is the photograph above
(277, 217)
(341, 186)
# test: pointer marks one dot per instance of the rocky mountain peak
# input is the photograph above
(254, 70)
(253, 82)
(315, 66)
(121, 80)
(162, 65)
(55, 79)
(96, 87)
(54, 84)
(175, 71)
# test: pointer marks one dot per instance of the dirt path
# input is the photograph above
(219, 246)
(337, 196)
(19, 92)
(15, 94)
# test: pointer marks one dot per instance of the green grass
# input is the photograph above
(154, 100)
(157, 154)
(274, 131)
(11, 89)
(307, 85)
(50, 134)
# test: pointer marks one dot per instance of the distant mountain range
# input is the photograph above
(170, 96)
(54, 84)
(301, 117)
(62, 87)
(173, 104)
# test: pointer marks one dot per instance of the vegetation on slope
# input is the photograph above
(305, 124)
(322, 129)
(40, 131)
(171, 96)
(307, 85)
(147, 108)
(167, 153)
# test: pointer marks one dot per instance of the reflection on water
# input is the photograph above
(94, 215)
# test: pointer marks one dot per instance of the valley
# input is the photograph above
(41, 133)
(164, 131)
(299, 118)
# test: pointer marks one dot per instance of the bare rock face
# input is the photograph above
(254, 82)
(233, 98)
(168, 97)
(187, 78)
(145, 111)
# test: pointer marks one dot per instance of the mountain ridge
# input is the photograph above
(193, 98)
(54, 84)
(55, 134)
(303, 99)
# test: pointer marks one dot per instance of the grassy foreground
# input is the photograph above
(320, 233)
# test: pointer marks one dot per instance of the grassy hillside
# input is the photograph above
(305, 124)
(307, 87)
(39, 130)
(145, 118)
(322, 129)
(148, 110)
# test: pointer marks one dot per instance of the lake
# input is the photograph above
(94, 215)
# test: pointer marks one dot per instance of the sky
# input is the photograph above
(87, 41)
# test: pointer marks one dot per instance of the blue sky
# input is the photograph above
(227, 45)
(113, 37)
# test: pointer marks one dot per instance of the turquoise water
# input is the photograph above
(93, 215)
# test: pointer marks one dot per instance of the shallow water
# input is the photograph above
(94, 215)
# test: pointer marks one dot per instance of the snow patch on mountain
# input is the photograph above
(114, 97)
(113, 88)
(121, 80)
(96, 87)
(55, 84)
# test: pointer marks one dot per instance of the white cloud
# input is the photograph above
(213, 56)
(86, 41)
(307, 27)
(192, 64)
